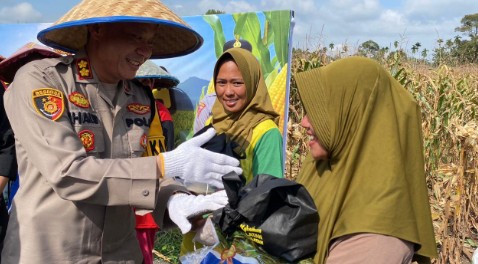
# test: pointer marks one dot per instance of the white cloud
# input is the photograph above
(351, 22)
(439, 10)
(228, 7)
(21, 13)
(298, 6)
(178, 6)
(352, 10)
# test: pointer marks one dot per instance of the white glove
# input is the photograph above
(181, 206)
(194, 164)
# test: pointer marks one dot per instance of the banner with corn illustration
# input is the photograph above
(270, 35)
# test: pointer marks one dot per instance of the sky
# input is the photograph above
(318, 23)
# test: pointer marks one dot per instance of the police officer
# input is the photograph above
(80, 126)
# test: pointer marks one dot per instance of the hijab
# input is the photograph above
(258, 108)
(374, 179)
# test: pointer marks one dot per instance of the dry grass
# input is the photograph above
(449, 101)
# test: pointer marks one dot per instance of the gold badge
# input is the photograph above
(237, 44)
(79, 100)
(87, 137)
(139, 108)
(48, 102)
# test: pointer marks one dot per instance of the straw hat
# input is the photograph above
(69, 33)
(29, 52)
(162, 78)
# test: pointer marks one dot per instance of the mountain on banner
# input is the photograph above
(193, 87)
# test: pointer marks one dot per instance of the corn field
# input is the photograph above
(448, 97)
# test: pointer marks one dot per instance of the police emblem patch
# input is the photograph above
(144, 141)
(139, 108)
(79, 100)
(48, 102)
(87, 137)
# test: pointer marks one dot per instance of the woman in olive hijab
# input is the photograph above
(365, 168)
(244, 112)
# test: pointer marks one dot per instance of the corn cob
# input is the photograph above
(277, 93)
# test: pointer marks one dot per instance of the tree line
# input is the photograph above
(462, 49)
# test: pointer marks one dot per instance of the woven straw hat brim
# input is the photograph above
(161, 81)
(175, 37)
(29, 52)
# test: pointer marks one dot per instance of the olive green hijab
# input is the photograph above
(374, 180)
(238, 126)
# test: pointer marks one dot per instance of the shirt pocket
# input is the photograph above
(92, 139)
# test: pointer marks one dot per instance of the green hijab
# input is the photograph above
(374, 180)
(238, 126)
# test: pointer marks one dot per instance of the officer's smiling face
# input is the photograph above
(119, 49)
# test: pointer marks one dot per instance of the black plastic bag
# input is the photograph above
(277, 214)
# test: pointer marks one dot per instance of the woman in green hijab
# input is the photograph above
(244, 112)
(365, 168)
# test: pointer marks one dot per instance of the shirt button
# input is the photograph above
(145, 193)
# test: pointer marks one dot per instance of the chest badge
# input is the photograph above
(79, 100)
(139, 108)
(84, 69)
(48, 102)
(87, 137)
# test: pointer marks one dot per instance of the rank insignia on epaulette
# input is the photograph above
(87, 137)
(48, 102)
(139, 108)
(84, 69)
(79, 100)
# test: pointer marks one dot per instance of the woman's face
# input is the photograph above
(230, 87)
(316, 148)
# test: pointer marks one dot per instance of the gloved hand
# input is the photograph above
(181, 206)
(194, 164)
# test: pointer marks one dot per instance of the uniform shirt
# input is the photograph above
(79, 165)
(264, 152)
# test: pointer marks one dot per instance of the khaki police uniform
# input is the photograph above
(80, 166)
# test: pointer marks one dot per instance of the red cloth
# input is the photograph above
(164, 113)
(146, 243)
(145, 221)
